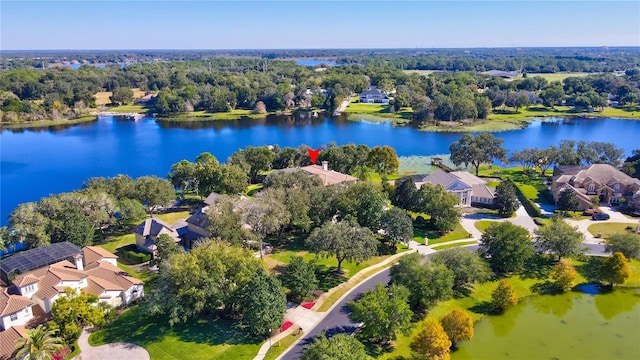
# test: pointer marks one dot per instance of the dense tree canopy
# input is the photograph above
(477, 150)
(338, 347)
(506, 246)
(559, 238)
(264, 304)
(628, 244)
(467, 267)
(506, 200)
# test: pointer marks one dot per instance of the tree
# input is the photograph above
(224, 221)
(383, 159)
(182, 174)
(405, 194)
(427, 282)
(266, 213)
(506, 246)
(564, 275)
(230, 179)
(478, 150)
(131, 210)
(615, 269)
(71, 225)
(397, 226)
(29, 225)
(364, 202)
(260, 108)
(506, 200)
(503, 297)
(338, 347)
(153, 191)
(440, 205)
(383, 312)
(75, 310)
(628, 244)
(253, 160)
(300, 278)
(568, 200)
(458, 325)
(431, 343)
(165, 247)
(211, 277)
(39, 343)
(121, 95)
(264, 305)
(467, 267)
(559, 238)
(345, 239)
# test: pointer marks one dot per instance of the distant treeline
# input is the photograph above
(261, 85)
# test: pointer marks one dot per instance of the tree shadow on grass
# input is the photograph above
(590, 269)
(538, 266)
(545, 288)
(328, 278)
(376, 350)
(485, 308)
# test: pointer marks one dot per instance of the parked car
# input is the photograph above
(600, 216)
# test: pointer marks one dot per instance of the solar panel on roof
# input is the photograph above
(36, 258)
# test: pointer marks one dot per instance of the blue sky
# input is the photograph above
(315, 24)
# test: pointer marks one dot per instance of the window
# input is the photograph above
(616, 188)
(29, 288)
(592, 187)
(13, 317)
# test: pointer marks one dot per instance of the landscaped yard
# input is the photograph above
(196, 339)
(457, 234)
(609, 228)
(449, 246)
(482, 225)
(129, 109)
(383, 111)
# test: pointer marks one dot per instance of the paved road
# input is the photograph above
(337, 320)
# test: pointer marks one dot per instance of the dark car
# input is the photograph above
(600, 216)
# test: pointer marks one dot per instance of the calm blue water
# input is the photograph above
(36, 163)
(315, 62)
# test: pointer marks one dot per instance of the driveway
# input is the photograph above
(523, 219)
(121, 351)
(616, 217)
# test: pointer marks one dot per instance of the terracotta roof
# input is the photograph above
(24, 280)
(111, 277)
(601, 173)
(328, 177)
(95, 253)
(10, 304)
(8, 341)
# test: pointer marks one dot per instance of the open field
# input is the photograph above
(47, 123)
(102, 97)
(419, 72)
(559, 76)
(129, 109)
(608, 228)
(376, 112)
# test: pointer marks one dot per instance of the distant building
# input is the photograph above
(373, 96)
(501, 74)
(148, 231)
(145, 99)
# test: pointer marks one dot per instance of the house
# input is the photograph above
(31, 294)
(145, 99)
(469, 188)
(8, 341)
(148, 231)
(501, 74)
(608, 184)
(373, 96)
(328, 177)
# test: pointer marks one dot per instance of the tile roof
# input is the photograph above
(95, 253)
(8, 341)
(211, 198)
(328, 177)
(10, 304)
(111, 277)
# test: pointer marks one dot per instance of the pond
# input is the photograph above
(36, 163)
(575, 325)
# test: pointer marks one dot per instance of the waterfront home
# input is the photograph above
(328, 177)
(148, 231)
(373, 96)
(470, 189)
(603, 182)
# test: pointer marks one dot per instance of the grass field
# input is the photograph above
(102, 97)
(375, 112)
(129, 109)
(234, 114)
(559, 76)
(282, 345)
(608, 228)
(458, 233)
(419, 72)
(449, 246)
(198, 339)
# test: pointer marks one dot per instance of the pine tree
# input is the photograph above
(615, 269)
(503, 297)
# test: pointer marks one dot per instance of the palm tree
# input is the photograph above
(39, 344)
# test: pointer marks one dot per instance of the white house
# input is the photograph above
(469, 188)
(373, 96)
(16, 310)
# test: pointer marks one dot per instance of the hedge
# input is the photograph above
(137, 257)
(532, 209)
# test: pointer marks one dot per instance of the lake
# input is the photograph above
(36, 163)
(574, 325)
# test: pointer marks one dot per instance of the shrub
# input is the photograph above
(530, 206)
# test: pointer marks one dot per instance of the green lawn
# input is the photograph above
(559, 76)
(482, 225)
(419, 235)
(608, 228)
(377, 112)
(129, 109)
(458, 233)
(282, 345)
(448, 246)
(197, 339)
(492, 124)
(47, 123)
